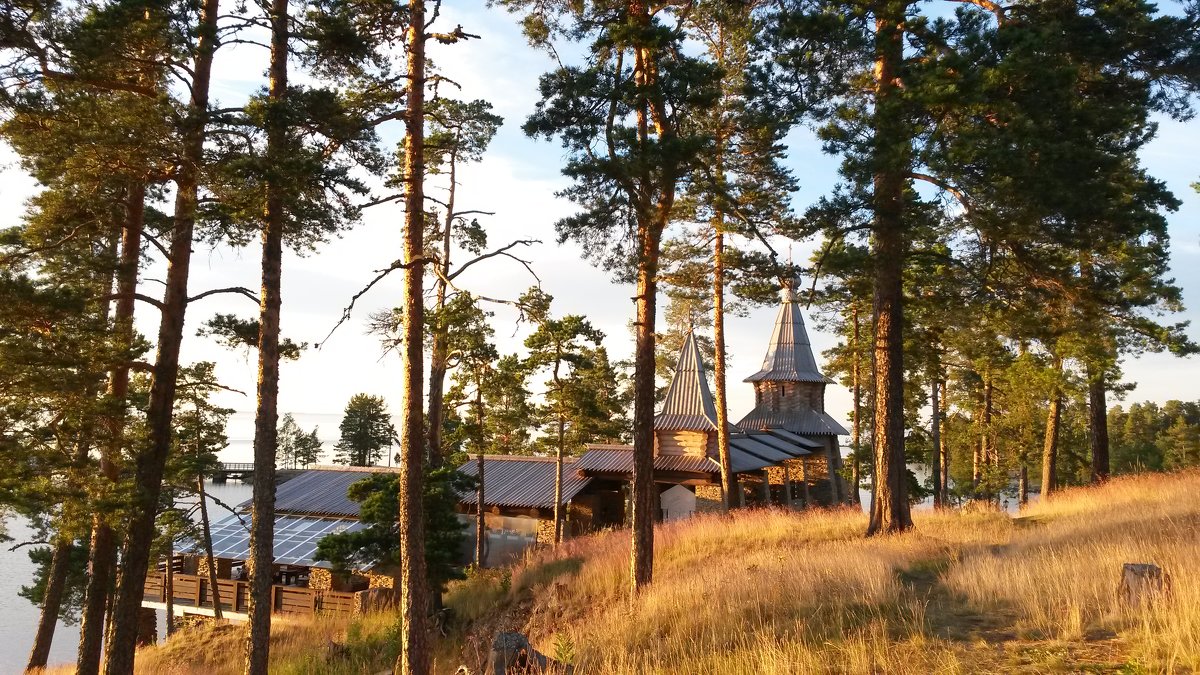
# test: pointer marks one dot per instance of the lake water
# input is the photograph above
(19, 617)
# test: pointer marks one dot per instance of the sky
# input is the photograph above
(517, 180)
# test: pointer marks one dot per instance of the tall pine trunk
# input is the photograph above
(266, 418)
(480, 523)
(722, 403)
(935, 433)
(102, 551)
(984, 456)
(943, 448)
(56, 582)
(558, 476)
(1050, 443)
(439, 352)
(148, 469)
(1098, 424)
(206, 532)
(856, 426)
(889, 504)
(414, 592)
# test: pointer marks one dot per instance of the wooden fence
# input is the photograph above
(189, 590)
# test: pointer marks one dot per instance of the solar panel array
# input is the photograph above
(296, 538)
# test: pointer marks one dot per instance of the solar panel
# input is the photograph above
(295, 538)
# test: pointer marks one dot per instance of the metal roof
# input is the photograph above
(807, 422)
(789, 355)
(295, 541)
(522, 482)
(689, 403)
(618, 459)
(320, 492)
(794, 438)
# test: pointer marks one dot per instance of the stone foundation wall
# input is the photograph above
(708, 499)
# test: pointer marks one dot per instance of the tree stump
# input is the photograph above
(1141, 584)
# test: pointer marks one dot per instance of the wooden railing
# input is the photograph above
(194, 591)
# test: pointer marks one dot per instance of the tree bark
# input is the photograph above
(856, 427)
(943, 447)
(722, 403)
(266, 418)
(1023, 486)
(1098, 424)
(414, 593)
(148, 470)
(1050, 444)
(102, 551)
(480, 523)
(169, 585)
(889, 504)
(214, 587)
(439, 352)
(558, 474)
(935, 432)
(56, 582)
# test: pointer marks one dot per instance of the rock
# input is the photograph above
(513, 655)
(1141, 583)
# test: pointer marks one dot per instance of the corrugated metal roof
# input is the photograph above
(802, 441)
(615, 459)
(760, 449)
(807, 422)
(789, 355)
(320, 492)
(522, 482)
(779, 444)
(689, 403)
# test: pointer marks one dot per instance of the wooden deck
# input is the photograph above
(194, 591)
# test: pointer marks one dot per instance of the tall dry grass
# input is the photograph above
(771, 592)
(1060, 571)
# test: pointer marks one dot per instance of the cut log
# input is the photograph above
(1141, 584)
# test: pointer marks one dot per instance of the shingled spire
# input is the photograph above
(689, 403)
(789, 355)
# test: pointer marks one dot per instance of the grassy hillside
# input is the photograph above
(771, 592)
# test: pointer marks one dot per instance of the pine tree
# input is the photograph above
(366, 431)
(620, 115)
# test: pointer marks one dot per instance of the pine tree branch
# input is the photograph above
(237, 290)
(502, 251)
(346, 312)
(136, 296)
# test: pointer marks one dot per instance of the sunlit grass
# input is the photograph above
(771, 592)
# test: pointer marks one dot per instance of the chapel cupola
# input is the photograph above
(687, 422)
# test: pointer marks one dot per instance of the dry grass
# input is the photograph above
(774, 592)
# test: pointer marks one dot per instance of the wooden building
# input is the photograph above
(785, 451)
(308, 507)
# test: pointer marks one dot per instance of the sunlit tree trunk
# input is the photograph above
(102, 550)
(414, 592)
(889, 504)
(148, 470)
(1050, 443)
(1098, 424)
(266, 418)
(856, 427)
(206, 532)
(56, 582)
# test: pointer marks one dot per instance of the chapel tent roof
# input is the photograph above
(522, 482)
(789, 355)
(689, 403)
